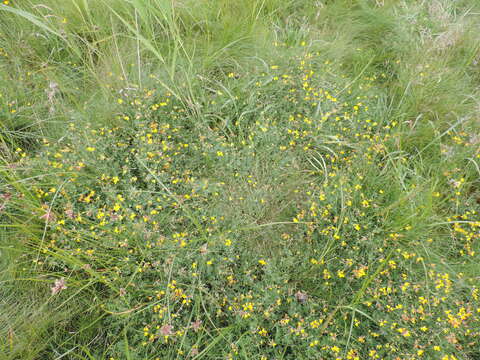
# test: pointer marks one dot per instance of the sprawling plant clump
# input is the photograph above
(320, 202)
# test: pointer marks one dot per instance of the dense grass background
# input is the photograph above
(256, 179)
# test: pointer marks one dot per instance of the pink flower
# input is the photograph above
(48, 216)
(6, 196)
(194, 352)
(59, 286)
(166, 330)
(196, 325)
(70, 214)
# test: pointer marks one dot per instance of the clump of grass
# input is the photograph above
(310, 191)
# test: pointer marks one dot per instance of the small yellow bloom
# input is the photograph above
(335, 349)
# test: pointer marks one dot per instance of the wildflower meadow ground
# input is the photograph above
(239, 180)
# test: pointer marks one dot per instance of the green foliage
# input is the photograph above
(216, 179)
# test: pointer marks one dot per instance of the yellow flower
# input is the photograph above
(262, 332)
(360, 272)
